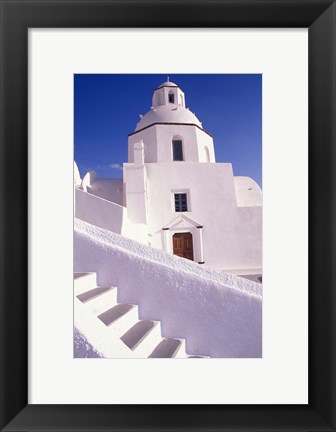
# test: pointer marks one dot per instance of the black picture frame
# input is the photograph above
(19, 15)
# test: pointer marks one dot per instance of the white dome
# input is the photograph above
(168, 114)
(167, 84)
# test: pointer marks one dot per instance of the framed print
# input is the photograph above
(55, 54)
(284, 78)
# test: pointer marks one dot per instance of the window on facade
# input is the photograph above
(177, 150)
(171, 98)
(181, 204)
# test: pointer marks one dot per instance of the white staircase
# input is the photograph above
(114, 329)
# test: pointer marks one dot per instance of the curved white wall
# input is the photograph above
(248, 192)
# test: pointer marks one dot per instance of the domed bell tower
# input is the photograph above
(168, 93)
(170, 131)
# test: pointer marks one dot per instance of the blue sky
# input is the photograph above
(107, 109)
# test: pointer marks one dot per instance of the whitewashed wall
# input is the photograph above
(231, 235)
(110, 189)
(111, 216)
(99, 211)
(158, 143)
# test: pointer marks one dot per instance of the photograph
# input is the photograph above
(167, 216)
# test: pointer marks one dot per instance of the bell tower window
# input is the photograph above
(177, 150)
(171, 98)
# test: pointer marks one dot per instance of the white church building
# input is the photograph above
(174, 196)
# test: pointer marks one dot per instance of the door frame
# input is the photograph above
(197, 233)
(180, 224)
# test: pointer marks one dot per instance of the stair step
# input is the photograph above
(181, 352)
(146, 346)
(135, 335)
(114, 313)
(120, 318)
(79, 275)
(84, 282)
(166, 348)
(99, 299)
(89, 295)
(140, 338)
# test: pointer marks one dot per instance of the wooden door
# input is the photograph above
(183, 245)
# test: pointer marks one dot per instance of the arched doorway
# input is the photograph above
(183, 245)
